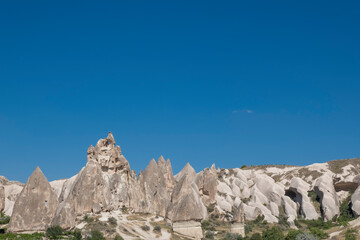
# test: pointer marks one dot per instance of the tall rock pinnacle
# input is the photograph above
(36, 205)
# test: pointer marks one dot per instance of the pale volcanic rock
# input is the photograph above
(224, 189)
(159, 182)
(2, 198)
(290, 209)
(325, 190)
(251, 212)
(188, 171)
(301, 188)
(186, 203)
(88, 194)
(223, 204)
(269, 188)
(207, 184)
(355, 200)
(35, 206)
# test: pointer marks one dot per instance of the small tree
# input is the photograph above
(97, 235)
(112, 220)
(256, 236)
(273, 233)
(157, 228)
(292, 234)
(209, 235)
(77, 235)
(351, 234)
(54, 232)
(306, 236)
(118, 237)
(145, 227)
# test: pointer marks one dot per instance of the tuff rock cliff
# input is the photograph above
(107, 184)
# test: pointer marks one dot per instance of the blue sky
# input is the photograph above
(230, 82)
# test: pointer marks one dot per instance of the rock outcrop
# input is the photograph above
(355, 199)
(186, 203)
(2, 198)
(300, 190)
(159, 181)
(107, 184)
(325, 190)
(36, 205)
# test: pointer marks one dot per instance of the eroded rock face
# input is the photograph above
(159, 182)
(300, 188)
(36, 205)
(325, 190)
(206, 182)
(186, 203)
(88, 194)
(355, 199)
(108, 155)
(2, 198)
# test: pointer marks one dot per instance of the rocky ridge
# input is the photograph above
(107, 184)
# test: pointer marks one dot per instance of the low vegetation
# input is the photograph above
(4, 219)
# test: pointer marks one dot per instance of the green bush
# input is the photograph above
(318, 223)
(112, 220)
(54, 232)
(273, 233)
(118, 237)
(76, 235)
(346, 214)
(13, 236)
(351, 234)
(157, 228)
(319, 233)
(97, 235)
(124, 209)
(256, 236)
(232, 236)
(291, 235)
(207, 225)
(145, 227)
(4, 219)
(306, 236)
(247, 228)
(209, 235)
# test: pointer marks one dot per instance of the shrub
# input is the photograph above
(118, 237)
(351, 234)
(54, 232)
(291, 235)
(97, 235)
(306, 236)
(206, 225)
(112, 220)
(243, 166)
(259, 219)
(248, 228)
(124, 209)
(256, 236)
(319, 223)
(273, 233)
(231, 236)
(346, 214)
(145, 227)
(319, 233)
(77, 235)
(4, 219)
(209, 235)
(157, 228)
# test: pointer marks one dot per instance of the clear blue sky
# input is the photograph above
(230, 82)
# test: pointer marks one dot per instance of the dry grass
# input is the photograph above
(337, 165)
